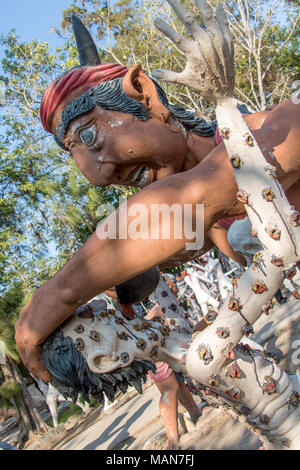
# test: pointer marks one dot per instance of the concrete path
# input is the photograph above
(120, 428)
(137, 423)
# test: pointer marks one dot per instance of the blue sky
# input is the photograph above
(33, 18)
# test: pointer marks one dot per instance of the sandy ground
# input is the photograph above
(138, 421)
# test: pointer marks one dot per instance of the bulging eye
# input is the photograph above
(87, 136)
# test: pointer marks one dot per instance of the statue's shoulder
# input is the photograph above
(256, 120)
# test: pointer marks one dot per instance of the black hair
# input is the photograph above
(72, 376)
(111, 96)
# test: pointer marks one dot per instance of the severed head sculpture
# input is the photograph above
(98, 350)
(97, 354)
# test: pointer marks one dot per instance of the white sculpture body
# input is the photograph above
(210, 70)
(202, 293)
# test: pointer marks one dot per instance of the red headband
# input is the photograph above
(86, 77)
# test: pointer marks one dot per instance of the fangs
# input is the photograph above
(141, 176)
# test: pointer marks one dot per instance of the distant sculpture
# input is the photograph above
(210, 274)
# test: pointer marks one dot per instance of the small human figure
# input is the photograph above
(173, 389)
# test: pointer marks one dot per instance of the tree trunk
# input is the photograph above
(38, 423)
(23, 419)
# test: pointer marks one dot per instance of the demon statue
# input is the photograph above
(120, 128)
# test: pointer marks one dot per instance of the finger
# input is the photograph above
(216, 48)
(206, 13)
(222, 17)
(227, 43)
(203, 37)
(183, 44)
(214, 29)
(223, 23)
(154, 309)
(167, 76)
(187, 19)
(211, 57)
(33, 361)
(149, 316)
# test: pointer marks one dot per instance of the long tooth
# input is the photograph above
(144, 177)
(136, 174)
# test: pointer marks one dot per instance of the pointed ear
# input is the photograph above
(140, 87)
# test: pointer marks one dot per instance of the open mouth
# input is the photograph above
(140, 177)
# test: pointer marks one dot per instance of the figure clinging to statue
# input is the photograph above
(119, 128)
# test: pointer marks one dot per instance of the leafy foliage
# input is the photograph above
(10, 391)
(10, 304)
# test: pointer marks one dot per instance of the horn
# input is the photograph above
(88, 54)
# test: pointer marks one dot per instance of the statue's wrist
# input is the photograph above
(49, 307)
(61, 290)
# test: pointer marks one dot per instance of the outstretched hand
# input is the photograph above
(210, 67)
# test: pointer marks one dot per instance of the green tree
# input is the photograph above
(265, 36)
(27, 162)
(266, 50)
(46, 205)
